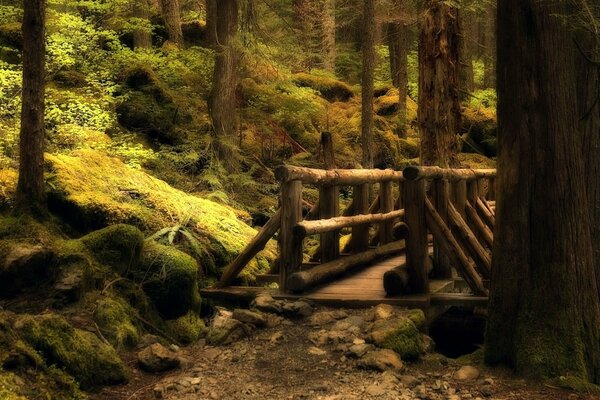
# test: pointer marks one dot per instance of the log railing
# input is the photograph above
(359, 217)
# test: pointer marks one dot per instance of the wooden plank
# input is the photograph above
(416, 243)
(441, 199)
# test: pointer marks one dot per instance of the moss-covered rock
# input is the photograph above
(23, 265)
(330, 88)
(401, 334)
(480, 127)
(80, 353)
(169, 277)
(113, 193)
(114, 317)
(70, 79)
(118, 246)
(188, 328)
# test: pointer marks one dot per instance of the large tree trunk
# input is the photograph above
(544, 312)
(489, 56)
(398, 41)
(222, 102)
(142, 38)
(170, 11)
(31, 193)
(467, 39)
(439, 102)
(328, 33)
(368, 72)
(588, 81)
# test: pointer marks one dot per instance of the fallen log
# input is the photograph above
(300, 281)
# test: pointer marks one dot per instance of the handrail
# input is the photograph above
(350, 177)
(306, 228)
(414, 173)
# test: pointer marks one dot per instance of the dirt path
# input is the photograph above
(282, 362)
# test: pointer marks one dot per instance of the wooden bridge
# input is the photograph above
(423, 241)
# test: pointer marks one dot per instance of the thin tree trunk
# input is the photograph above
(211, 23)
(544, 311)
(467, 78)
(171, 15)
(368, 72)
(222, 102)
(328, 40)
(31, 193)
(439, 103)
(142, 38)
(398, 40)
(489, 58)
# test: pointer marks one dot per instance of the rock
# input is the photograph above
(265, 303)
(250, 317)
(376, 390)
(486, 391)
(72, 282)
(399, 334)
(488, 381)
(317, 351)
(118, 246)
(381, 360)
(157, 358)
(359, 350)
(114, 316)
(147, 340)
(170, 278)
(23, 265)
(427, 344)
(466, 373)
(321, 318)
(80, 353)
(383, 311)
(297, 309)
(188, 328)
(276, 337)
(409, 381)
(229, 331)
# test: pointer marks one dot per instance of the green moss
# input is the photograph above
(80, 353)
(188, 328)
(115, 193)
(113, 315)
(330, 88)
(169, 277)
(476, 161)
(399, 334)
(10, 386)
(118, 246)
(577, 384)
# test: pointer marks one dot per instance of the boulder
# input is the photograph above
(231, 330)
(381, 360)
(118, 246)
(188, 328)
(400, 334)
(265, 303)
(23, 265)
(466, 373)
(383, 311)
(157, 358)
(170, 278)
(114, 317)
(250, 317)
(80, 353)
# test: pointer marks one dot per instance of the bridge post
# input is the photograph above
(329, 199)
(359, 241)
(441, 194)
(459, 196)
(290, 244)
(416, 243)
(386, 198)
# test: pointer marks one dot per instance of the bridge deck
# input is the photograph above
(361, 289)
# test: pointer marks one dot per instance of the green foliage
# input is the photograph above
(485, 98)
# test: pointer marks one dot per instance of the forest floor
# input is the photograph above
(285, 361)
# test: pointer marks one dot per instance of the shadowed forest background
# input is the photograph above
(147, 165)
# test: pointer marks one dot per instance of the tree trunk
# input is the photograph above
(588, 81)
(489, 58)
(170, 11)
(222, 102)
(466, 38)
(398, 41)
(142, 38)
(368, 72)
(328, 33)
(544, 311)
(31, 193)
(211, 23)
(439, 104)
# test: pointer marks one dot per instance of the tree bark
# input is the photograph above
(142, 38)
(544, 311)
(398, 42)
(328, 33)
(211, 23)
(31, 193)
(466, 38)
(222, 101)
(171, 15)
(439, 102)
(368, 72)
(588, 89)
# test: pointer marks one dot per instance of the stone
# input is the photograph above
(276, 337)
(157, 358)
(466, 373)
(297, 309)
(265, 303)
(250, 317)
(359, 350)
(486, 391)
(227, 332)
(321, 318)
(376, 390)
(383, 311)
(409, 381)
(24, 266)
(427, 344)
(381, 360)
(315, 351)
(148, 339)
(488, 381)
(399, 334)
